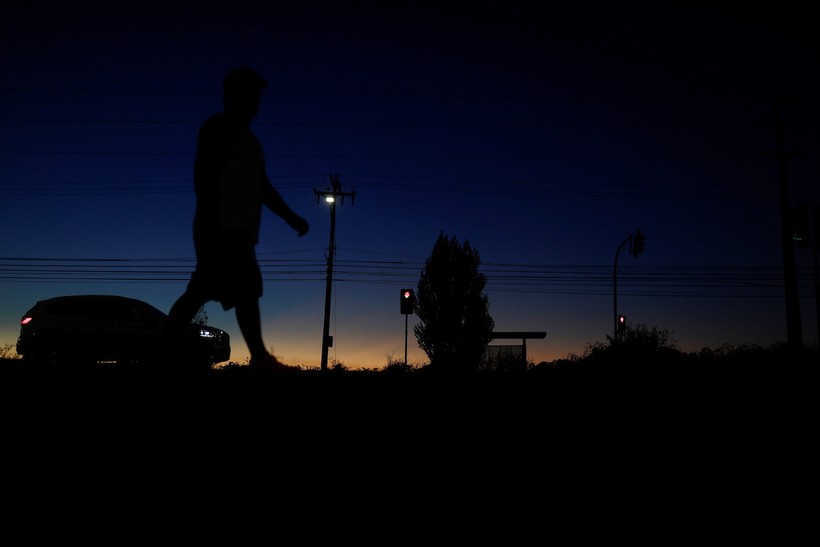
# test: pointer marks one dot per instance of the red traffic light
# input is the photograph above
(408, 301)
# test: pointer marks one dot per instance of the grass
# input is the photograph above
(652, 449)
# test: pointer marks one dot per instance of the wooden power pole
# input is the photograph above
(331, 196)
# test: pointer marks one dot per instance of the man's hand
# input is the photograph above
(299, 224)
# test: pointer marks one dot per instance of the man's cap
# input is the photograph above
(246, 77)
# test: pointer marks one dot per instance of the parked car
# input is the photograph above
(107, 328)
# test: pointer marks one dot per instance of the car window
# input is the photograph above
(65, 307)
(105, 309)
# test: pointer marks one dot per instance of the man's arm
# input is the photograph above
(273, 201)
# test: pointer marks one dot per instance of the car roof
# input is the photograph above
(97, 297)
(92, 297)
(66, 296)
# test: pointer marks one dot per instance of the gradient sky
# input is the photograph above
(544, 136)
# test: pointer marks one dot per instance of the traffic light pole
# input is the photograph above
(407, 303)
(615, 287)
(636, 242)
(330, 197)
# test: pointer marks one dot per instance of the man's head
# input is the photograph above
(240, 89)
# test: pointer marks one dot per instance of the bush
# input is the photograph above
(9, 352)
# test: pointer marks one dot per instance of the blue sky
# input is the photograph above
(543, 137)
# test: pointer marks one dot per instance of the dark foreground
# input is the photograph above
(675, 457)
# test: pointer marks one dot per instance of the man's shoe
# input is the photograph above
(269, 366)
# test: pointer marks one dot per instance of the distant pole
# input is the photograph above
(615, 287)
(405, 338)
(815, 248)
(331, 197)
(816, 268)
(794, 328)
(636, 244)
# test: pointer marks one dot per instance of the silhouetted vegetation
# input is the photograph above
(8, 352)
(645, 356)
(455, 325)
(641, 356)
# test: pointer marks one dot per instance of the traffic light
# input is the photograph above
(637, 243)
(408, 301)
(621, 324)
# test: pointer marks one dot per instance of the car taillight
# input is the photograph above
(26, 320)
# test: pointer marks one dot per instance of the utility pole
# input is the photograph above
(815, 249)
(806, 234)
(794, 328)
(331, 197)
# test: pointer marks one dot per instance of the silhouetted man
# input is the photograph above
(232, 185)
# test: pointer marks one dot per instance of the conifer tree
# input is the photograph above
(455, 325)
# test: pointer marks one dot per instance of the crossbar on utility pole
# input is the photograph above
(331, 196)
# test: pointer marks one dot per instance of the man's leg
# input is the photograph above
(179, 317)
(262, 362)
(250, 323)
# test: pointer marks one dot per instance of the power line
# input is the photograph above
(545, 156)
(399, 125)
(737, 190)
(591, 280)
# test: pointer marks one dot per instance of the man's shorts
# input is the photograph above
(226, 269)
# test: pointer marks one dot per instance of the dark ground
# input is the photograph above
(674, 458)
